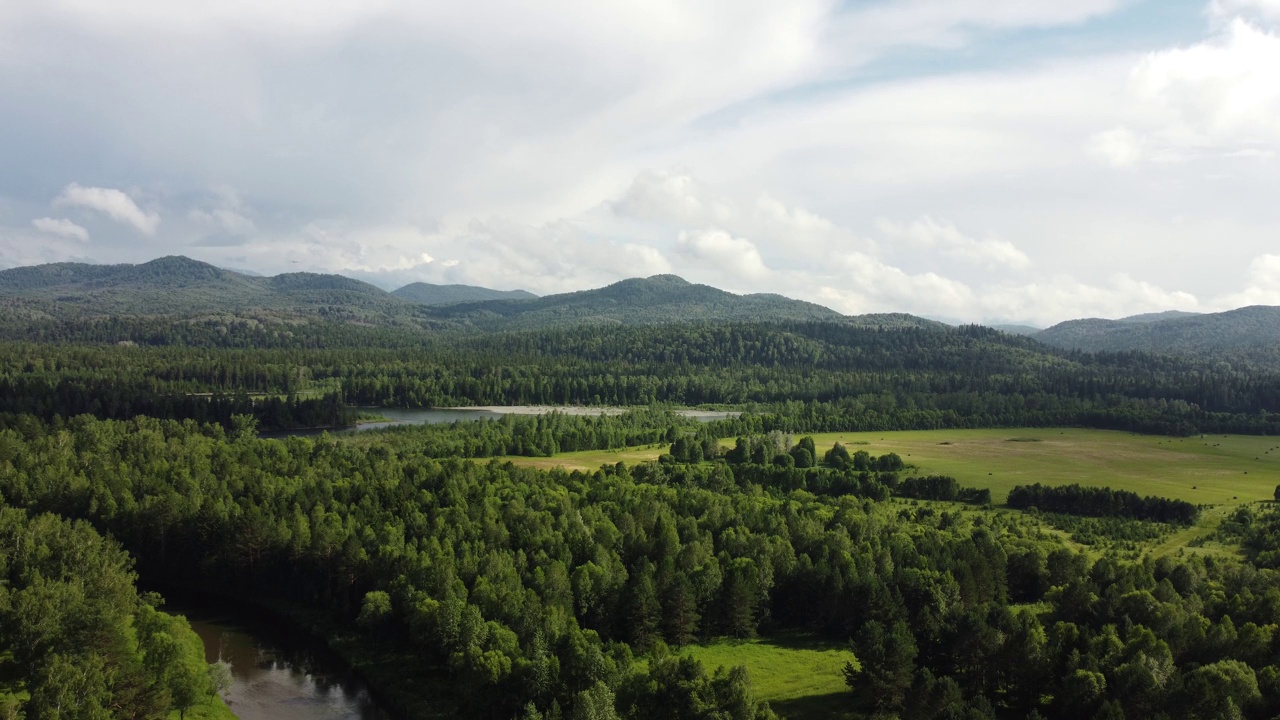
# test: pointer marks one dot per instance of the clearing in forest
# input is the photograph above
(800, 675)
(1211, 469)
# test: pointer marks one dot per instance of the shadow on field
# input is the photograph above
(802, 640)
(830, 705)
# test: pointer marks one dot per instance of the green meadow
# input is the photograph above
(1211, 470)
(801, 676)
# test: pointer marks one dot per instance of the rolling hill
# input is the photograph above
(180, 287)
(428, 294)
(636, 301)
(1248, 332)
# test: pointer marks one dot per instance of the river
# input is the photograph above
(277, 675)
(427, 416)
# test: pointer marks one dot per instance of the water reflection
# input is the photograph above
(428, 416)
(275, 677)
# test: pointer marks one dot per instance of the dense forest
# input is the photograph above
(132, 455)
(808, 376)
(537, 592)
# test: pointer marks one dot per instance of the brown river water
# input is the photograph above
(276, 676)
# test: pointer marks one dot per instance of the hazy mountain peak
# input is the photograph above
(423, 293)
(1157, 316)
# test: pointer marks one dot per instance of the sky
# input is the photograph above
(999, 161)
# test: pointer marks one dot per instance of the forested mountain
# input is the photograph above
(636, 301)
(181, 286)
(1250, 333)
(430, 294)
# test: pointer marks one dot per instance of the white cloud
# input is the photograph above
(947, 239)
(225, 212)
(1119, 147)
(112, 203)
(502, 143)
(1261, 285)
(224, 220)
(1222, 91)
(1262, 10)
(873, 27)
(738, 258)
(556, 257)
(28, 246)
(864, 284)
(61, 227)
(670, 197)
(1045, 301)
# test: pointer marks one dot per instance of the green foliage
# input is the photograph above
(1102, 502)
(887, 657)
(173, 655)
(76, 640)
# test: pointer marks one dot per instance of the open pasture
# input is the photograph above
(801, 676)
(1214, 469)
(1209, 470)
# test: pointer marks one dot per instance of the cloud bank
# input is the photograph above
(1026, 161)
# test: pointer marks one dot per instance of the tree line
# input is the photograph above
(1102, 502)
(815, 375)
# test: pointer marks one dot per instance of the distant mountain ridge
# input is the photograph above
(1157, 316)
(176, 286)
(431, 294)
(635, 301)
(1252, 331)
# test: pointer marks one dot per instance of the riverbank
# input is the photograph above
(581, 410)
(312, 667)
(378, 418)
(214, 709)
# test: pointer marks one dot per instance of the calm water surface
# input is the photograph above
(279, 677)
(427, 416)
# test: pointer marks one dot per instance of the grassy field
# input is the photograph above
(591, 460)
(799, 675)
(1210, 470)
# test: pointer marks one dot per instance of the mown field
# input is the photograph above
(1210, 470)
